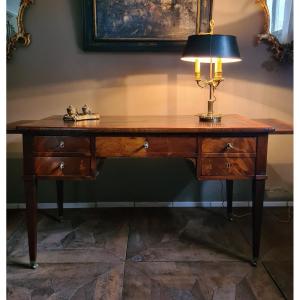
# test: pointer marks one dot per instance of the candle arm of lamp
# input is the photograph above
(215, 78)
(205, 82)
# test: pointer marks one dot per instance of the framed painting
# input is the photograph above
(140, 25)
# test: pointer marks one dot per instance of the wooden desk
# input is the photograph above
(233, 149)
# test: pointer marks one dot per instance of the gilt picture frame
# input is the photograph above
(139, 25)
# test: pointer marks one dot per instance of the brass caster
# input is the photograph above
(254, 262)
(33, 265)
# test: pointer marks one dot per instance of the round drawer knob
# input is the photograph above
(146, 145)
(229, 146)
(62, 144)
(61, 165)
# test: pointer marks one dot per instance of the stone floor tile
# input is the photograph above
(66, 281)
(282, 273)
(272, 222)
(178, 234)
(83, 237)
(197, 280)
(276, 246)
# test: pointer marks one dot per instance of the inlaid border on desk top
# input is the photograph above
(145, 124)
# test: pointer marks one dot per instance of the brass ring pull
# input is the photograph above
(61, 165)
(62, 144)
(228, 146)
(146, 144)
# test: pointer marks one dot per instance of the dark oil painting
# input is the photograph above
(144, 19)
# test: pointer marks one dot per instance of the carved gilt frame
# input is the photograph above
(21, 36)
(281, 52)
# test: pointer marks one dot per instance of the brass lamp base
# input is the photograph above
(210, 118)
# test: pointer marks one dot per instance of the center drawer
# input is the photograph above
(146, 146)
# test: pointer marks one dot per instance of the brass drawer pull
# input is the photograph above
(146, 145)
(62, 144)
(61, 165)
(228, 165)
(228, 147)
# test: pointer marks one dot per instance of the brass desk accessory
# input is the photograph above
(207, 47)
(73, 115)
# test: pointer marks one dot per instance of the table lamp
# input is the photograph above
(214, 49)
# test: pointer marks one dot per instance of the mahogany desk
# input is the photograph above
(233, 149)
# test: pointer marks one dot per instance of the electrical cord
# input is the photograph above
(287, 220)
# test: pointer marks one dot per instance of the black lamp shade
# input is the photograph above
(207, 47)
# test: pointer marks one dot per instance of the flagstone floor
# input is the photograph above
(150, 253)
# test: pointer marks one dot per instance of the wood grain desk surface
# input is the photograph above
(155, 124)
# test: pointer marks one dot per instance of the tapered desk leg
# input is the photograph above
(229, 194)
(60, 198)
(31, 219)
(257, 210)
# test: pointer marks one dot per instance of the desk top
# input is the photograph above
(143, 124)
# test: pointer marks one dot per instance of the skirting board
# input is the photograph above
(151, 204)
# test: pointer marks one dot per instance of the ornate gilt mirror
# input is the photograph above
(278, 28)
(15, 28)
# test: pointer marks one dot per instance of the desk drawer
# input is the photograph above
(62, 166)
(120, 146)
(229, 145)
(218, 166)
(62, 144)
(185, 146)
(146, 146)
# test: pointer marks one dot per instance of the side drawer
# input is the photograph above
(62, 144)
(146, 146)
(62, 166)
(226, 166)
(229, 145)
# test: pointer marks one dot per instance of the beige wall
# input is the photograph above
(54, 72)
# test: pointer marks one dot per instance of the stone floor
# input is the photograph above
(150, 253)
